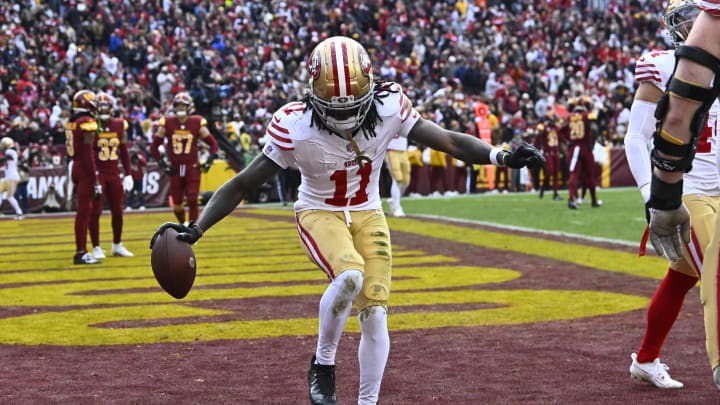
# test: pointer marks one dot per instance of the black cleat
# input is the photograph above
(572, 205)
(542, 193)
(557, 197)
(321, 380)
(85, 258)
(597, 204)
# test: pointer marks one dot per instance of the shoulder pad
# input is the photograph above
(161, 122)
(89, 126)
(125, 124)
(392, 101)
(203, 122)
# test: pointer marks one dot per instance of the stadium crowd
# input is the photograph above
(242, 60)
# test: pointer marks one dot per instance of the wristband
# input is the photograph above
(665, 196)
(494, 152)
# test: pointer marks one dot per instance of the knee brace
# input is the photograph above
(687, 90)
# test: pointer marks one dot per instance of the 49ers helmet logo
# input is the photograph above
(314, 66)
(365, 64)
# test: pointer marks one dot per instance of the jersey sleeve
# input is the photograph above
(279, 147)
(278, 132)
(649, 68)
(408, 115)
(397, 105)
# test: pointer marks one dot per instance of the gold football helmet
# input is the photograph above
(84, 101)
(105, 104)
(6, 142)
(341, 83)
(183, 99)
(678, 18)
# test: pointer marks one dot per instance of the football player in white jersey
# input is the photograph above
(398, 164)
(692, 89)
(701, 193)
(12, 176)
(337, 136)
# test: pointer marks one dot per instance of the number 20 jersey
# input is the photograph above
(331, 177)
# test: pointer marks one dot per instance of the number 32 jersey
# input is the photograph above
(332, 178)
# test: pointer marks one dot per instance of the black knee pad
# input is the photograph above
(690, 91)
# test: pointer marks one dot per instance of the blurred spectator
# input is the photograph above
(165, 83)
(135, 130)
(51, 200)
(138, 168)
(242, 60)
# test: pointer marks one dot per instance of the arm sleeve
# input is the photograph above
(157, 141)
(125, 158)
(210, 140)
(89, 161)
(637, 139)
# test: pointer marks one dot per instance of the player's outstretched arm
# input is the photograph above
(472, 150)
(224, 200)
(229, 195)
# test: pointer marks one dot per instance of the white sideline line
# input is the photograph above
(533, 230)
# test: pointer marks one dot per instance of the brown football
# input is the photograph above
(173, 264)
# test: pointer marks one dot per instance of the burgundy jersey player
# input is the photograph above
(110, 148)
(80, 132)
(180, 134)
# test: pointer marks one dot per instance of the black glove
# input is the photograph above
(189, 234)
(169, 170)
(97, 191)
(208, 164)
(524, 155)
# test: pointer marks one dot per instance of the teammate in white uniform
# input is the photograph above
(398, 164)
(337, 136)
(8, 184)
(701, 193)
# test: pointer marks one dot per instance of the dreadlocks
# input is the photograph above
(382, 89)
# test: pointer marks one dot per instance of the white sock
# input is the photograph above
(15, 205)
(373, 352)
(395, 194)
(335, 306)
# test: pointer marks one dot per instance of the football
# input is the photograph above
(173, 264)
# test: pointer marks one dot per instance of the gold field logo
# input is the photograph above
(247, 257)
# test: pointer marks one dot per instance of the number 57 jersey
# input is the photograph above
(333, 177)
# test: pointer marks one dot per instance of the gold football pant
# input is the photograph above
(342, 240)
(399, 166)
(709, 281)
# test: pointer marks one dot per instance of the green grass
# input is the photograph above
(621, 216)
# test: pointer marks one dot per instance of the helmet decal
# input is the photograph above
(365, 65)
(314, 66)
